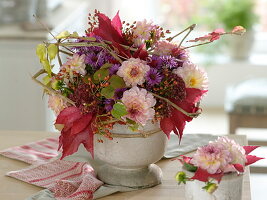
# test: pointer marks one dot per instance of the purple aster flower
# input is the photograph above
(169, 61)
(96, 60)
(119, 93)
(109, 104)
(153, 77)
(113, 69)
(155, 62)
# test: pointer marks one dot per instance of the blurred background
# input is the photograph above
(230, 63)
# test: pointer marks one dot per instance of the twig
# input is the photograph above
(42, 71)
(190, 27)
(39, 21)
(196, 45)
(177, 107)
(65, 52)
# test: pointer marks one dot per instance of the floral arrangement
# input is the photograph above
(215, 160)
(123, 73)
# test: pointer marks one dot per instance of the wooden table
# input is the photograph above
(12, 189)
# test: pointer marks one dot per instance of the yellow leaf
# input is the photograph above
(46, 79)
(63, 34)
(52, 51)
(47, 67)
(41, 51)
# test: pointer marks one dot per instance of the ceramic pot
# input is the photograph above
(230, 188)
(129, 160)
(240, 46)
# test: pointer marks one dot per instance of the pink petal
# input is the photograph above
(252, 159)
(249, 149)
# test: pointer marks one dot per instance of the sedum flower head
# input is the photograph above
(133, 71)
(139, 103)
(193, 76)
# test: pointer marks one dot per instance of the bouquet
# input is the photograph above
(215, 160)
(123, 73)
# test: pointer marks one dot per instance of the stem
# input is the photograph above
(196, 45)
(39, 21)
(177, 107)
(42, 71)
(65, 52)
(190, 27)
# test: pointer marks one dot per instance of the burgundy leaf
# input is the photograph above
(166, 126)
(141, 53)
(81, 124)
(239, 167)
(203, 175)
(249, 149)
(252, 159)
(116, 23)
(64, 115)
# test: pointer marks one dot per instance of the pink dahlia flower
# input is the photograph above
(133, 71)
(56, 103)
(74, 65)
(193, 76)
(213, 157)
(139, 105)
(237, 152)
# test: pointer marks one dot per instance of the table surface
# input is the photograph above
(13, 189)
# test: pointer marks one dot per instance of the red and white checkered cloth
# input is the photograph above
(66, 179)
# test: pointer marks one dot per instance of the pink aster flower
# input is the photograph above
(237, 152)
(74, 65)
(163, 48)
(133, 71)
(56, 103)
(213, 157)
(193, 76)
(139, 105)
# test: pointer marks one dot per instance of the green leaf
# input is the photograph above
(55, 84)
(47, 67)
(52, 51)
(106, 66)
(116, 81)
(41, 52)
(108, 92)
(119, 110)
(100, 74)
(189, 167)
(46, 79)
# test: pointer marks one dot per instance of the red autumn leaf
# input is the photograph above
(252, 159)
(249, 149)
(178, 119)
(111, 31)
(203, 175)
(77, 130)
(67, 115)
(239, 167)
(166, 126)
(81, 124)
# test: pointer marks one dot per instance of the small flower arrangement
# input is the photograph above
(215, 160)
(122, 73)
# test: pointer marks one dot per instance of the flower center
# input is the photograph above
(193, 82)
(134, 72)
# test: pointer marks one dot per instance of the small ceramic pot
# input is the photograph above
(129, 161)
(230, 188)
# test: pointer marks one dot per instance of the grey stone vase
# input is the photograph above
(128, 161)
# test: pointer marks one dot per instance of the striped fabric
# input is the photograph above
(66, 179)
